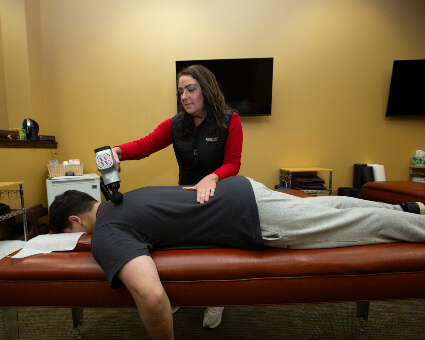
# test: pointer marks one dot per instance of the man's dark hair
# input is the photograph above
(71, 202)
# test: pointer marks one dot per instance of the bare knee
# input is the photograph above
(152, 299)
(141, 279)
(140, 276)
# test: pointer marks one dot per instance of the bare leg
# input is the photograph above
(141, 278)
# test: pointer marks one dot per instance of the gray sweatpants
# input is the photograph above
(332, 221)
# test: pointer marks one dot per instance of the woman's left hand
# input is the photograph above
(205, 188)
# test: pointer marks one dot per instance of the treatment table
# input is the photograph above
(219, 277)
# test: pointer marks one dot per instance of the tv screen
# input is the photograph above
(246, 83)
(407, 89)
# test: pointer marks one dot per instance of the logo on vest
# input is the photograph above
(213, 139)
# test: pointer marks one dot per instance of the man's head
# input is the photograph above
(72, 211)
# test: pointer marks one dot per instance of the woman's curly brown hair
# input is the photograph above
(214, 102)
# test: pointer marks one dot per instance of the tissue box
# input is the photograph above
(22, 133)
(417, 161)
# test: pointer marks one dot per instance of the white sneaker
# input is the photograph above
(174, 309)
(212, 317)
(421, 208)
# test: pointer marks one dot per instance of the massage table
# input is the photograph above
(219, 277)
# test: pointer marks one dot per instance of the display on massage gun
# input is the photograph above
(106, 165)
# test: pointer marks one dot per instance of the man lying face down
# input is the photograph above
(242, 214)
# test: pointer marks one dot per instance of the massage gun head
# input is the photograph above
(106, 165)
(117, 197)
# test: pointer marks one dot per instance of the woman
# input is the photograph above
(207, 140)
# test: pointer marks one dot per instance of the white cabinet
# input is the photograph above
(88, 183)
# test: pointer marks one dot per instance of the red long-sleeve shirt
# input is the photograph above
(160, 138)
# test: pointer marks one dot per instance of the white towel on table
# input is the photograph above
(45, 244)
(10, 246)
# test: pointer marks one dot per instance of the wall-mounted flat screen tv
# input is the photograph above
(246, 83)
(407, 89)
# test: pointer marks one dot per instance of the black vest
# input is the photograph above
(197, 154)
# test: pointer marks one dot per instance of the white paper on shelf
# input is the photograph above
(10, 246)
(378, 172)
(44, 244)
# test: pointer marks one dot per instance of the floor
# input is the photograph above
(387, 320)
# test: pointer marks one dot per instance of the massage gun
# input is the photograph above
(106, 165)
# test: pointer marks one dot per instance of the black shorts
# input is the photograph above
(113, 247)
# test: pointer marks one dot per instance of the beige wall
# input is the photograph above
(104, 74)
(29, 166)
(22, 96)
(4, 119)
(16, 102)
(37, 93)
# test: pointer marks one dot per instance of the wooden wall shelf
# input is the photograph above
(12, 143)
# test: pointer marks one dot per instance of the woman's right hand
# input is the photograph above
(117, 154)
